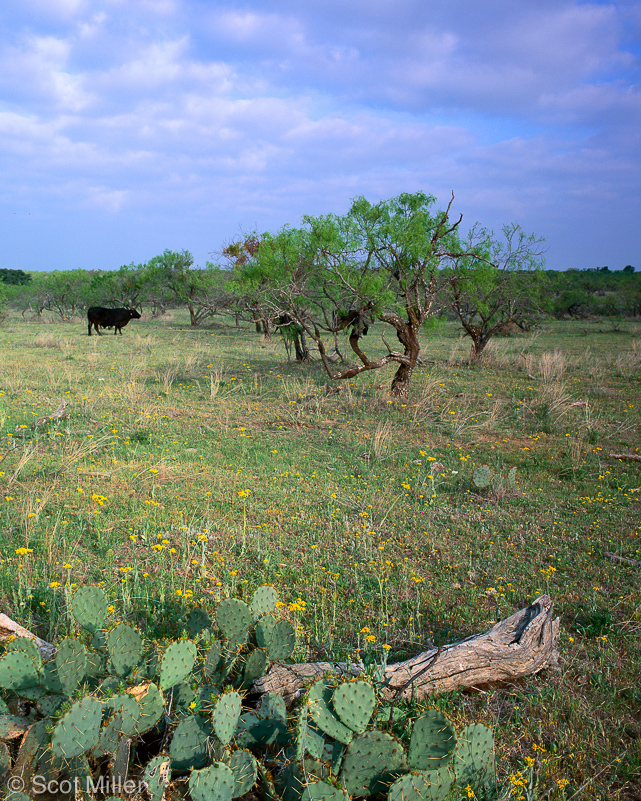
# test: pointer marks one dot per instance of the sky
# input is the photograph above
(131, 126)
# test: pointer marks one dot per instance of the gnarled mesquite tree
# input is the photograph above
(380, 263)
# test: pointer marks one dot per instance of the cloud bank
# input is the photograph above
(127, 128)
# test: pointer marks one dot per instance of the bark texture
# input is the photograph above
(521, 645)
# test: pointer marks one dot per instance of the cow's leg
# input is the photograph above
(89, 327)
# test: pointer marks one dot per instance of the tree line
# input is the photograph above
(397, 266)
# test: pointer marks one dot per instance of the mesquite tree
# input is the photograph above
(498, 285)
(380, 263)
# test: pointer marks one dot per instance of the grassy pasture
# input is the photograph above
(196, 464)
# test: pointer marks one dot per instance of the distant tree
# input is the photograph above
(15, 277)
(629, 269)
(499, 286)
(67, 291)
(122, 287)
(171, 279)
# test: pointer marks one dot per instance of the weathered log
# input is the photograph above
(626, 561)
(630, 457)
(521, 645)
(9, 628)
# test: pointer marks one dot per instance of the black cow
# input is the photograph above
(110, 318)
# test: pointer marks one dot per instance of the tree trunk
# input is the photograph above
(401, 381)
(520, 645)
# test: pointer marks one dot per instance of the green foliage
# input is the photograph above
(19, 277)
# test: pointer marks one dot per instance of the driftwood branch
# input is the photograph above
(9, 628)
(626, 560)
(520, 645)
(630, 457)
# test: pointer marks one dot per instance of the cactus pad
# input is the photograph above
(372, 762)
(89, 607)
(323, 791)
(189, 745)
(433, 741)
(78, 730)
(212, 660)
(263, 601)
(482, 476)
(177, 663)
(197, 621)
(429, 786)
(245, 769)
(277, 636)
(225, 715)
(256, 666)
(354, 703)
(71, 665)
(234, 618)
(215, 783)
(323, 715)
(474, 755)
(156, 777)
(18, 671)
(25, 644)
(125, 648)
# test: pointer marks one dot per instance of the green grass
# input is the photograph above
(197, 464)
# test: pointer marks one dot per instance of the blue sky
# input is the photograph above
(131, 126)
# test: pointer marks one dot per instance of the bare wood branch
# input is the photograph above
(520, 645)
(9, 628)
(616, 558)
(630, 457)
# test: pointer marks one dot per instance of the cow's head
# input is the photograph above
(133, 314)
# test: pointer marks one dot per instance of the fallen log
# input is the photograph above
(521, 645)
(630, 457)
(9, 628)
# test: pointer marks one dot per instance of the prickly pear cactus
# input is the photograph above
(245, 769)
(215, 783)
(18, 671)
(511, 479)
(71, 665)
(354, 703)
(156, 777)
(319, 701)
(234, 618)
(277, 636)
(474, 756)
(25, 644)
(177, 663)
(323, 791)
(433, 741)
(431, 785)
(372, 762)
(89, 607)
(263, 601)
(225, 715)
(125, 648)
(482, 476)
(197, 622)
(79, 730)
(256, 665)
